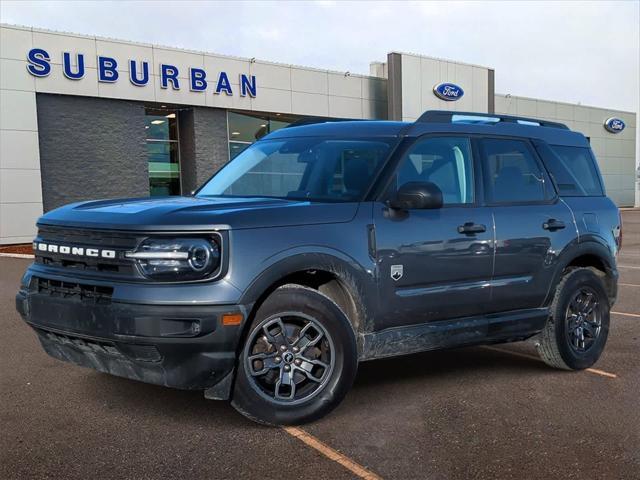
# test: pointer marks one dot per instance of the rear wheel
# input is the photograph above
(577, 329)
(299, 359)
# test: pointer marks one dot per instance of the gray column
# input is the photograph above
(394, 86)
(203, 145)
(91, 148)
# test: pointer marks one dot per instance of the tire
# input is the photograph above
(560, 343)
(320, 372)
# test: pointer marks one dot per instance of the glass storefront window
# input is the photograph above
(245, 129)
(163, 152)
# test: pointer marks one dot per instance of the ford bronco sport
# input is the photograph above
(331, 243)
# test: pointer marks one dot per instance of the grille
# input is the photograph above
(85, 345)
(118, 241)
(142, 353)
(56, 288)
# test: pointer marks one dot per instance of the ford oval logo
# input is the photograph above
(448, 91)
(614, 125)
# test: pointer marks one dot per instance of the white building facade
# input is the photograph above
(83, 117)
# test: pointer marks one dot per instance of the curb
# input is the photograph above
(16, 255)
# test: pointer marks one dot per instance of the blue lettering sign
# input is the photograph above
(67, 67)
(74, 67)
(169, 73)
(107, 70)
(38, 65)
(133, 75)
(247, 85)
(223, 84)
(197, 80)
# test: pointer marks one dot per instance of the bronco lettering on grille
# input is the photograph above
(75, 251)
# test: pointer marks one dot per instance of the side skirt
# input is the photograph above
(485, 329)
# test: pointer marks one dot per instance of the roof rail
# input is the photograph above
(447, 116)
(313, 120)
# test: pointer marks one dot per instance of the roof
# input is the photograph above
(340, 128)
(554, 134)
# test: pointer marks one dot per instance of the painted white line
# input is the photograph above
(16, 255)
(632, 267)
(602, 372)
(628, 285)
(627, 314)
(533, 357)
(331, 454)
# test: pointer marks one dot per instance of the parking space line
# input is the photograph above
(533, 357)
(602, 372)
(627, 314)
(628, 285)
(632, 267)
(331, 454)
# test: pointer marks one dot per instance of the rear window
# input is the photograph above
(575, 172)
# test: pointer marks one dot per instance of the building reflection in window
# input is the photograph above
(244, 129)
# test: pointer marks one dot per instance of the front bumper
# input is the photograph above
(180, 346)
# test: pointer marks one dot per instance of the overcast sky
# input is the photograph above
(586, 52)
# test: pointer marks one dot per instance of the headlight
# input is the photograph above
(176, 259)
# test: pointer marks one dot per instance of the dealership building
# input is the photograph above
(84, 117)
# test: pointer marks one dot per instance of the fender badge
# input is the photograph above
(396, 272)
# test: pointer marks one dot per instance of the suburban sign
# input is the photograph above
(73, 68)
(614, 125)
(448, 91)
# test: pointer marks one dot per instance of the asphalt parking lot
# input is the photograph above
(467, 413)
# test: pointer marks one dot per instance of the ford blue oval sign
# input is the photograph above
(448, 91)
(614, 125)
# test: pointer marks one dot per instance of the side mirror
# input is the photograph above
(417, 195)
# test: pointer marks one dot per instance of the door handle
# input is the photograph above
(470, 228)
(552, 224)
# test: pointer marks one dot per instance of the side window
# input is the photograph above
(445, 161)
(512, 174)
(575, 171)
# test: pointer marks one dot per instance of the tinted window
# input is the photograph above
(574, 171)
(512, 172)
(301, 168)
(445, 161)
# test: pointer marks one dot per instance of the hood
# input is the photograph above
(197, 213)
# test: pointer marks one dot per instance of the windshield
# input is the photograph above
(321, 169)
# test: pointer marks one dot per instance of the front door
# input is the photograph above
(434, 264)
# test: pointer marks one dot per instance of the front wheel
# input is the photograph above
(299, 359)
(577, 329)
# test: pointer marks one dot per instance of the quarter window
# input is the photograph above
(512, 174)
(575, 172)
(445, 161)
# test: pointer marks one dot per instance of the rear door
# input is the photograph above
(532, 224)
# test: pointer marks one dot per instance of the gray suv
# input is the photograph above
(331, 243)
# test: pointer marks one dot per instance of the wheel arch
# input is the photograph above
(340, 278)
(591, 254)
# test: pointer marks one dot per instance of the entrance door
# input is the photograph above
(435, 264)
